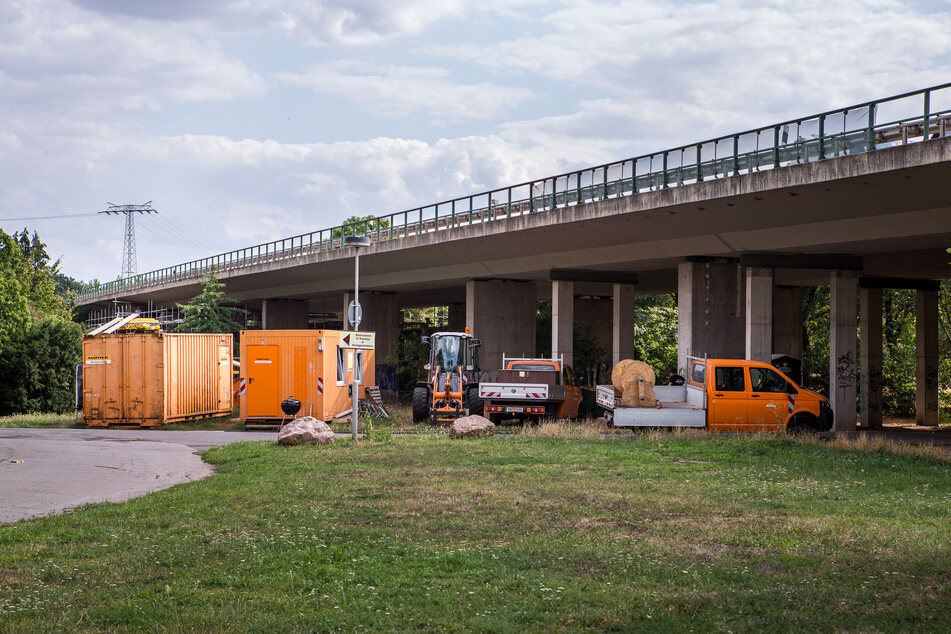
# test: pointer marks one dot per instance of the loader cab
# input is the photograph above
(449, 351)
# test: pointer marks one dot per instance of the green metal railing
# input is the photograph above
(900, 119)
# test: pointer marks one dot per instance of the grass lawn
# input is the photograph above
(660, 532)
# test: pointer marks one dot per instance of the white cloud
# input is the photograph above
(395, 91)
(351, 22)
(731, 55)
(105, 101)
(57, 58)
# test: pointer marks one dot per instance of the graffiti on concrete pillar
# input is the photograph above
(845, 370)
(931, 379)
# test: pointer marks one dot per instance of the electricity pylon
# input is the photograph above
(129, 266)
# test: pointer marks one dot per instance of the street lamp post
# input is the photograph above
(357, 242)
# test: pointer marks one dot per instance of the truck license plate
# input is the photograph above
(514, 409)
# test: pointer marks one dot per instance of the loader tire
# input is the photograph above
(476, 406)
(421, 404)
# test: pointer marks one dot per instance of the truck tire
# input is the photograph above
(802, 424)
(421, 404)
(476, 406)
(495, 419)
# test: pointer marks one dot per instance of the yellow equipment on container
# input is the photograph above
(141, 324)
(314, 366)
(149, 379)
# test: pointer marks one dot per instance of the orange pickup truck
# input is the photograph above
(726, 395)
(532, 388)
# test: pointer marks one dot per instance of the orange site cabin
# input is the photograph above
(314, 366)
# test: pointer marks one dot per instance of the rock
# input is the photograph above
(474, 425)
(306, 430)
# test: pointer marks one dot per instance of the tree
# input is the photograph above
(211, 311)
(359, 226)
(37, 367)
(39, 346)
(655, 331)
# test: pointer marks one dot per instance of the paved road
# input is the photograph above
(46, 471)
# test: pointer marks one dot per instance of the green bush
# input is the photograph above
(38, 367)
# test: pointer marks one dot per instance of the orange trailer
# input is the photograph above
(152, 378)
(314, 366)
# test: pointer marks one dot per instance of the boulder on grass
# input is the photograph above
(306, 431)
(474, 425)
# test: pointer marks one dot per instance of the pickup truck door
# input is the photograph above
(769, 400)
(727, 402)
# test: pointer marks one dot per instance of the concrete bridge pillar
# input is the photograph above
(380, 315)
(870, 355)
(622, 324)
(457, 318)
(787, 321)
(926, 358)
(710, 315)
(563, 320)
(284, 314)
(502, 314)
(843, 294)
(759, 314)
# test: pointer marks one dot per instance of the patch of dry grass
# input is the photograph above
(578, 430)
(866, 442)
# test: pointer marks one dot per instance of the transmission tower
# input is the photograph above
(129, 267)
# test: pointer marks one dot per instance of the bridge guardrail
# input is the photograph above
(900, 119)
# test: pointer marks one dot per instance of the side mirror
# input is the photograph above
(427, 367)
(476, 343)
(425, 340)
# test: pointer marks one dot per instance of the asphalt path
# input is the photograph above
(49, 471)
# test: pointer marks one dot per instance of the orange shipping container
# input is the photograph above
(150, 379)
(309, 365)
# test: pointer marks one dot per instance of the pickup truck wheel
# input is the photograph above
(421, 404)
(802, 424)
(476, 406)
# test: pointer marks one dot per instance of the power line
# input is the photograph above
(56, 217)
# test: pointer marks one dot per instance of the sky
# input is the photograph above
(244, 122)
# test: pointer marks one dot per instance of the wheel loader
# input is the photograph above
(452, 386)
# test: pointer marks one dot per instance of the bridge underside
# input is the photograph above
(843, 222)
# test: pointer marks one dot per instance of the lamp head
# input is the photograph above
(356, 241)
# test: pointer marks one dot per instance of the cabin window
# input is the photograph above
(730, 379)
(341, 365)
(766, 380)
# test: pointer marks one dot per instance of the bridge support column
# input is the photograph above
(380, 315)
(926, 358)
(787, 321)
(709, 311)
(284, 314)
(622, 324)
(759, 314)
(502, 314)
(457, 318)
(563, 320)
(843, 293)
(870, 357)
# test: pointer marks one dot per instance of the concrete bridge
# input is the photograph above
(736, 225)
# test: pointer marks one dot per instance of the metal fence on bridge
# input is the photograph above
(900, 119)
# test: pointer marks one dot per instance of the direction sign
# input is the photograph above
(363, 340)
(355, 313)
